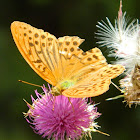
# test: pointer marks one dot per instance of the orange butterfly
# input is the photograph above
(60, 62)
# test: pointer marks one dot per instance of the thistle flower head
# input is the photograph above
(123, 39)
(61, 118)
(131, 87)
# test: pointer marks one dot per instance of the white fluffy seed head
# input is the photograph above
(123, 39)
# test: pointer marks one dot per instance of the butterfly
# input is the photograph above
(131, 86)
(71, 71)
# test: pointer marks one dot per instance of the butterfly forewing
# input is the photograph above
(32, 44)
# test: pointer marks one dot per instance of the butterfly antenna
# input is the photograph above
(29, 83)
(71, 104)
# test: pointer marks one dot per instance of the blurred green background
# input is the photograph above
(71, 17)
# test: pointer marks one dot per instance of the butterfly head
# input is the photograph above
(60, 87)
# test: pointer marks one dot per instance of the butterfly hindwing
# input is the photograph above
(88, 90)
(96, 83)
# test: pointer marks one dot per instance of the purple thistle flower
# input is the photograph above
(58, 117)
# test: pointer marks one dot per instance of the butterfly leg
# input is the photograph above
(54, 102)
(71, 104)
